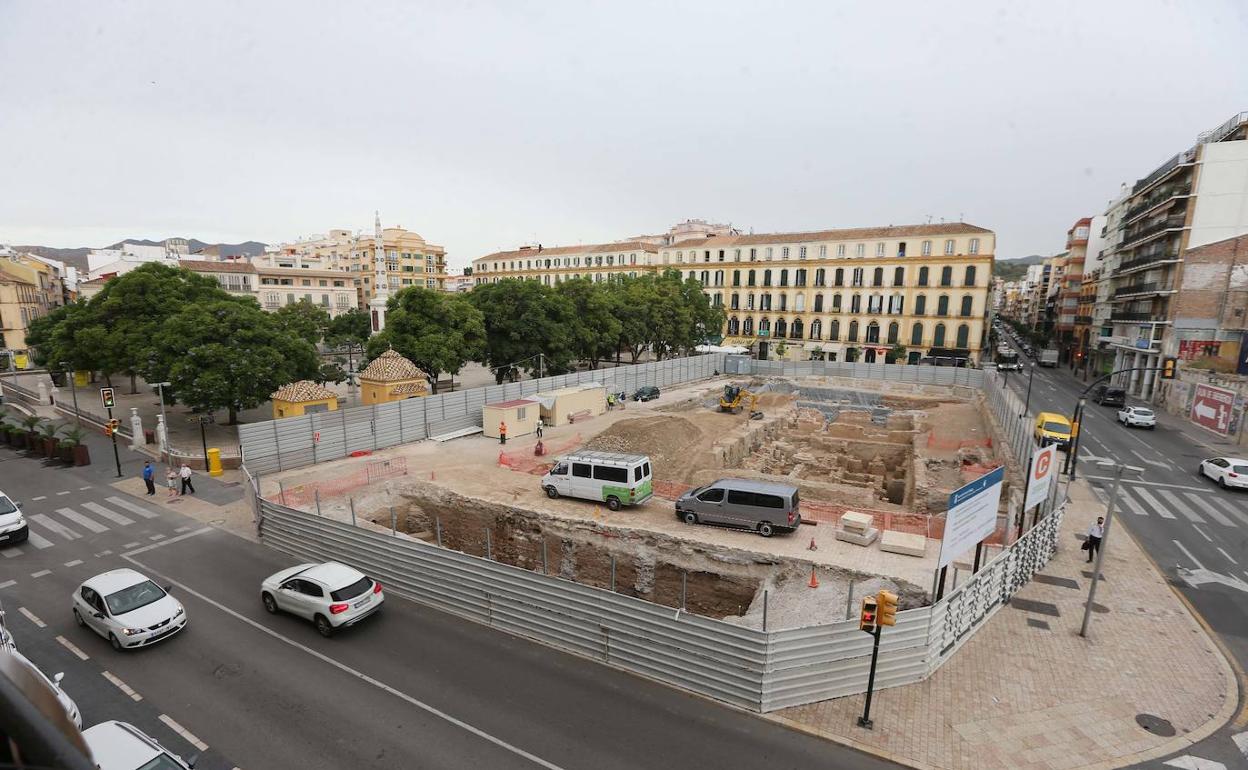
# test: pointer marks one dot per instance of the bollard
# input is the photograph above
(316, 495)
(545, 571)
(684, 585)
(437, 524)
(849, 600)
(764, 611)
(612, 573)
(489, 551)
(955, 579)
(353, 511)
(393, 529)
(281, 492)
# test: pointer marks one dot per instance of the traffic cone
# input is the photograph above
(814, 581)
(812, 546)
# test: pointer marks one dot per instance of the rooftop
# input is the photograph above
(390, 367)
(303, 390)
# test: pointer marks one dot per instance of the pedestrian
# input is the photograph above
(186, 479)
(149, 477)
(1095, 533)
(171, 483)
(610, 401)
(539, 427)
(502, 432)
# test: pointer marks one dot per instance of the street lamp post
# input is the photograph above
(1031, 374)
(73, 386)
(1100, 551)
(164, 421)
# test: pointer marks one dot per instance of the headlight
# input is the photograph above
(180, 612)
(131, 631)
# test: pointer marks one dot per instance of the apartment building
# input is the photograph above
(235, 277)
(332, 290)
(853, 294)
(27, 291)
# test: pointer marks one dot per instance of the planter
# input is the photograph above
(32, 441)
(11, 437)
(66, 453)
(81, 455)
(47, 446)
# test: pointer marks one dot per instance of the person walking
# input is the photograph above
(502, 432)
(149, 477)
(171, 483)
(185, 474)
(539, 427)
(1095, 533)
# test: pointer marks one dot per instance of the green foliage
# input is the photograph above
(665, 314)
(304, 320)
(438, 332)
(350, 328)
(73, 436)
(31, 422)
(49, 429)
(596, 330)
(330, 372)
(526, 323)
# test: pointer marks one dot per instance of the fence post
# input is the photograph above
(489, 545)
(612, 573)
(316, 495)
(849, 600)
(684, 584)
(545, 571)
(277, 443)
(393, 529)
(437, 524)
(281, 491)
(353, 511)
(765, 597)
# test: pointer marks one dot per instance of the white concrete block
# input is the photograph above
(857, 538)
(857, 522)
(904, 543)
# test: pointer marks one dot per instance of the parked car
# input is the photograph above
(1107, 395)
(1137, 417)
(761, 506)
(54, 684)
(647, 393)
(1227, 471)
(1048, 357)
(128, 609)
(331, 595)
(121, 746)
(1053, 428)
(607, 477)
(13, 527)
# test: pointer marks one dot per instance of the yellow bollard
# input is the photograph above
(214, 462)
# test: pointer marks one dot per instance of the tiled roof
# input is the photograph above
(561, 250)
(205, 266)
(856, 233)
(390, 367)
(303, 390)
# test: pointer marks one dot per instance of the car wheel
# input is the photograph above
(1222, 482)
(78, 618)
(269, 604)
(1200, 470)
(552, 493)
(323, 626)
(613, 503)
(765, 529)
(690, 517)
(113, 640)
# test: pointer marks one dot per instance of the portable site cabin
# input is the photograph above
(572, 404)
(520, 415)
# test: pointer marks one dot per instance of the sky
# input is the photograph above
(483, 125)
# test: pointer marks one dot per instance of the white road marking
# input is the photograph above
(342, 666)
(44, 520)
(1202, 533)
(1177, 503)
(9, 553)
(185, 733)
(1213, 513)
(1198, 577)
(182, 529)
(40, 497)
(72, 648)
(123, 687)
(32, 617)
(157, 537)
(1159, 463)
(1230, 507)
(1189, 762)
(81, 520)
(1152, 501)
(169, 541)
(1241, 741)
(132, 507)
(58, 494)
(41, 573)
(132, 545)
(1227, 555)
(111, 515)
(38, 540)
(1128, 503)
(8, 583)
(1189, 554)
(83, 489)
(1146, 483)
(73, 563)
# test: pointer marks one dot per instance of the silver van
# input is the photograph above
(762, 506)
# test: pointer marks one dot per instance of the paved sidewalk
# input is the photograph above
(1028, 692)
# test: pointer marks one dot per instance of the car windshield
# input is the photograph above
(351, 591)
(163, 762)
(1057, 427)
(6, 506)
(134, 597)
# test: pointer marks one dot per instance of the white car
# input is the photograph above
(121, 746)
(54, 684)
(1227, 471)
(1137, 417)
(128, 609)
(331, 595)
(13, 528)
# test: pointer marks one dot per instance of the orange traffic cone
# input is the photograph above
(812, 546)
(814, 581)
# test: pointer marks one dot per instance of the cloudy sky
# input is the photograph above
(485, 125)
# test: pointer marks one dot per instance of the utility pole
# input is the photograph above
(1031, 374)
(1100, 552)
(73, 387)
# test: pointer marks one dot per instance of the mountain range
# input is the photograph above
(1013, 269)
(78, 257)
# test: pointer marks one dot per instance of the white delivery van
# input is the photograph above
(615, 479)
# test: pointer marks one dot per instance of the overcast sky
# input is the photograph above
(485, 125)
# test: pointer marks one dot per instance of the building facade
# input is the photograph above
(865, 294)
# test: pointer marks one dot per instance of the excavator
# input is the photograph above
(735, 398)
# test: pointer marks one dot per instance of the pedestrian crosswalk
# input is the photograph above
(1195, 507)
(67, 524)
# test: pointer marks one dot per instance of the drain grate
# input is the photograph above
(1155, 725)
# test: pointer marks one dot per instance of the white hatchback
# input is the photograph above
(128, 609)
(120, 746)
(1227, 471)
(53, 684)
(331, 595)
(1137, 417)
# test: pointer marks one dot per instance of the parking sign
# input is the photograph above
(1043, 470)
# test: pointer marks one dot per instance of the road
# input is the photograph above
(410, 688)
(1183, 521)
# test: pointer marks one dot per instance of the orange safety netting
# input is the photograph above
(307, 494)
(528, 461)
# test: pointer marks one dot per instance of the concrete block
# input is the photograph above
(857, 538)
(857, 522)
(904, 543)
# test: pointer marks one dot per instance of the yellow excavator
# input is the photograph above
(735, 398)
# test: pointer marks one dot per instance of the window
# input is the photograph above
(836, 303)
(964, 334)
(823, 250)
(923, 272)
(605, 473)
(767, 253)
(974, 246)
(860, 250)
(969, 278)
(736, 255)
(735, 301)
(801, 252)
(873, 332)
(764, 327)
(857, 278)
(840, 249)
(896, 304)
(753, 255)
(749, 301)
(916, 334)
(899, 276)
(747, 328)
(821, 277)
(784, 277)
(750, 279)
(877, 277)
(780, 326)
(946, 276)
(818, 303)
(736, 277)
(938, 338)
(582, 470)
(949, 246)
(784, 301)
(816, 329)
(855, 303)
(875, 303)
(838, 277)
(893, 331)
(799, 277)
(853, 331)
(834, 330)
(879, 249)
(706, 256)
(712, 496)
(901, 249)
(766, 277)
(784, 252)
(766, 302)
(734, 326)
(966, 306)
(920, 305)
(942, 305)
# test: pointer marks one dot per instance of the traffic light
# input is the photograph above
(111, 426)
(866, 620)
(1168, 367)
(886, 608)
(106, 398)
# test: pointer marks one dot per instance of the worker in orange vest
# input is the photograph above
(502, 432)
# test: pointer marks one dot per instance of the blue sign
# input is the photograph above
(981, 484)
(972, 515)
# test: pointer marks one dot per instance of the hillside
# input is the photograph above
(78, 257)
(1014, 269)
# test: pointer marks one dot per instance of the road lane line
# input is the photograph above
(32, 617)
(107, 513)
(132, 507)
(73, 563)
(157, 537)
(169, 541)
(37, 499)
(123, 686)
(58, 494)
(41, 573)
(1227, 555)
(1202, 533)
(344, 667)
(81, 520)
(135, 544)
(72, 648)
(9, 553)
(44, 520)
(38, 540)
(185, 733)
(83, 489)
(1152, 502)
(1189, 554)
(8, 583)
(1180, 506)
(1145, 483)
(1214, 513)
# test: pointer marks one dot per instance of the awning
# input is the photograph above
(744, 342)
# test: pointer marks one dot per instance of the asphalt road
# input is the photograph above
(409, 688)
(1182, 520)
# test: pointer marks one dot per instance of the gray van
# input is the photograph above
(758, 505)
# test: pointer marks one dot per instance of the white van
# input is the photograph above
(616, 479)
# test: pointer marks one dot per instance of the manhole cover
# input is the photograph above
(1155, 725)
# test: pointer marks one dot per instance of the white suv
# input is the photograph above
(1137, 417)
(121, 746)
(331, 595)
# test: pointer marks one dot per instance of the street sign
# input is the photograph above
(316, 437)
(106, 398)
(972, 515)
(1212, 408)
(1043, 473)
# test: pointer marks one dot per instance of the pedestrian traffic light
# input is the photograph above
(106, 398)
(866, 620)
(1168, 367)
(886, 608)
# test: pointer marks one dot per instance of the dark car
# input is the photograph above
(1109, 396)
(647, 393)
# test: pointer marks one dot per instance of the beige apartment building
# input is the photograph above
(851, 295)
(275, 287)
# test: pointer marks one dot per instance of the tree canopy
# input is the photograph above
(528, 327)
(304, 320)
(436, 331)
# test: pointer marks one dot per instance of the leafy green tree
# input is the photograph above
(528, 327)
(436, 331)
(229, 355)
(350, 328)
(595, 327)
(72, 334)
(664, 314)
(304, 319)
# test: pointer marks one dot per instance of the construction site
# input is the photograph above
(874, 461)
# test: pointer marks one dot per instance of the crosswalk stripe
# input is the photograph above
(9, 553)
(1230, 506)
(81, 520)
(1180, 506)
(44, 520)
(38, 540)
(109, 514)
(129, 506)
(1202, 501)
(1127, 503)
(1152, 502)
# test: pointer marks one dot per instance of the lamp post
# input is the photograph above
(1100, 551)
(73, 386)
(1031, 374)
(164, 421)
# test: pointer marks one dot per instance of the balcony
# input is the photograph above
(1187, 157)
(1169, 223)
(1142, 289)
(1083, 320)
(1155, 200)
(1125, 317)
(1156, 258)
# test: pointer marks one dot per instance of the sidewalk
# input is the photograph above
(1028, 692)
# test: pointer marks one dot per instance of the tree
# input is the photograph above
(71, 334)
(304, 320)
(595, 328)
(436, 331)
(350, 328)
(528, 326)
(664, 314)
(229, 355)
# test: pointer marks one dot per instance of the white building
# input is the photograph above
(106, 263)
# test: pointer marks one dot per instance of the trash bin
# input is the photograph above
(214, 462)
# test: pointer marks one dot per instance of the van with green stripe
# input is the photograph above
(615, 479)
